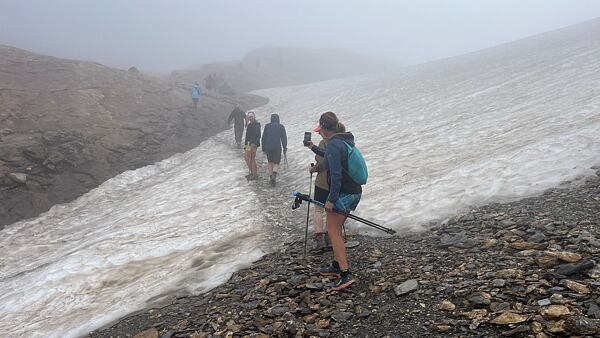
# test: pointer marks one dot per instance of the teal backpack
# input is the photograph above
(357, 167)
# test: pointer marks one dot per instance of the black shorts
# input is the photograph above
(321, 194)
(273, 156)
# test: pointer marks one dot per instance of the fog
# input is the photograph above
(159, 36)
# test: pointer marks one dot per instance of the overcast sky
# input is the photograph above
(171, 34)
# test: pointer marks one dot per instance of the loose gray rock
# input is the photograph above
(480, 298)
(297, 279)
(583, 325)
(573, 268)
(544, 302)
(19, 178)
(460, 240)
(278, 310)
(498, 283)
(340, 316)
(538, 237)
(594, 311)
(406, 287)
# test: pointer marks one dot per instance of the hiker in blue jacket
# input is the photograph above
(196, 92)
(273, 140)
(344, 193)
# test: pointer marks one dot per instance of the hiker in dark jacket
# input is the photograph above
(273, 140)
(238, 117)
(344, 193)
(251, 144)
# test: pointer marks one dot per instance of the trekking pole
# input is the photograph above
(301, 197)
(308, 213)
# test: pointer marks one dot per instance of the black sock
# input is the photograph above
(345, 273)
(335, 264)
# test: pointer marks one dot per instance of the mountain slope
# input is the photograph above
(497, 124)
(269, 67)
(69, 125)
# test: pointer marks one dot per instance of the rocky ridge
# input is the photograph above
(66, 126)
(522, 269)
(272, 66)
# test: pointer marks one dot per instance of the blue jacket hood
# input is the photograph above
(346, 137)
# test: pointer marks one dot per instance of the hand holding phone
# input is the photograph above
(306, 140)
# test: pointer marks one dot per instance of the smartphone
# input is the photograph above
(306, 137)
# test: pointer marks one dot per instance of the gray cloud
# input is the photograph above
(164, 35)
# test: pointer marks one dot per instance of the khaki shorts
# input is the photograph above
(251, 148)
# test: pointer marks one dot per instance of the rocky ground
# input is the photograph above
(66, 126)
(523, 269)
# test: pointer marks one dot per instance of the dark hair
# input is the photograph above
(328, 121)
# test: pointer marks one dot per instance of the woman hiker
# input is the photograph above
(321, 191)
(273, 140)
(344, 194)
(251, 144)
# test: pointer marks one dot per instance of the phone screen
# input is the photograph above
(307, 136)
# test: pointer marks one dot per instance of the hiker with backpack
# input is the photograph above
(251, 144)
(274, 139)
(196, 92)
(344, 192)
(321, 191)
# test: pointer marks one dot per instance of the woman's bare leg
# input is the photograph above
(247, 157)
(254, 168)
(334, 229)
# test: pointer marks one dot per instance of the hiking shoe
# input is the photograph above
(330, 271)
(344, 282)
(320, 242)
(272, 180)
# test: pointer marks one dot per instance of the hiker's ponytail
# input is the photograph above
(340, 128)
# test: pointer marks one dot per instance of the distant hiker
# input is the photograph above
(196, 92)
(321, 189)
(344, 193)
(208, 83)
(251, 144)
(238, 117)
(273, 140)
